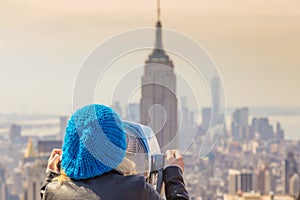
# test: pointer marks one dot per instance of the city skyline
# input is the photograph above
(254, 46)
(61, 53)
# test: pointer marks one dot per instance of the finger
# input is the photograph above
(169, 154)
(55, 159)
(177, 154)
(55, 151)
(169, 158)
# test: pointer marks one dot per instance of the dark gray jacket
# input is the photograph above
(114, 186)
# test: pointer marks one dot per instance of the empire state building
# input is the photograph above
(158, 106)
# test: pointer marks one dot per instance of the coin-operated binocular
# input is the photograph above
(143, 155)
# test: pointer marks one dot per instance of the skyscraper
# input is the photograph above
(206, 117)
(239, 181)
(263, 128)
(34, 165)
(15, 131)
(34, 174)
(290, 168)
(63, 122)
(246, 181)
(294, 184)
(264, 180)
(158, 107)
(133, 112)
(117, 107)
(239, 125)
(241, 116)
(234, 182)
(3, 187)
(216, 102)
(279, 132)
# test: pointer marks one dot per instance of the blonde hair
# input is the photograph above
(127, 167)
(61, 178)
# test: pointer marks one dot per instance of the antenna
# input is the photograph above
(158, 10)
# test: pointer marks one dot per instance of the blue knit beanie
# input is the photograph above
(94, 142)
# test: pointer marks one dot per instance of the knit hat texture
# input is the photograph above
(94, 143)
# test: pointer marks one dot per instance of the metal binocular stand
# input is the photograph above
(143, 155)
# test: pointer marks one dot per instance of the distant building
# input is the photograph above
(239, 126)
(187, 116)
(294, 184)
(241, 116)
(264, 180)
(133, 112)
(34, 174)
(257, 196)
(117, 107)
(45, 147)
(34, 167)
(234, 182)
(15, 131)
(30, 153)
(158, 107)
(216, 101)
(3, 186)
(206, 117)
(279, 132)
(16, 187)
(263, 128)
(63, 122)
(289, 169)
(239, 181)
(246, 181)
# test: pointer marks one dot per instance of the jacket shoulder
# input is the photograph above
(143, 190)
(68, 190)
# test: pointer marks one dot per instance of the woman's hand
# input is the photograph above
(54, 160)
(174, 158)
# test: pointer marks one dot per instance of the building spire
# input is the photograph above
(158, 42)
(158, 10)
(30, 151)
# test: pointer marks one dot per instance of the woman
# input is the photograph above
(94, 147)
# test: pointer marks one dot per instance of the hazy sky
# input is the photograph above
(255, 44)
